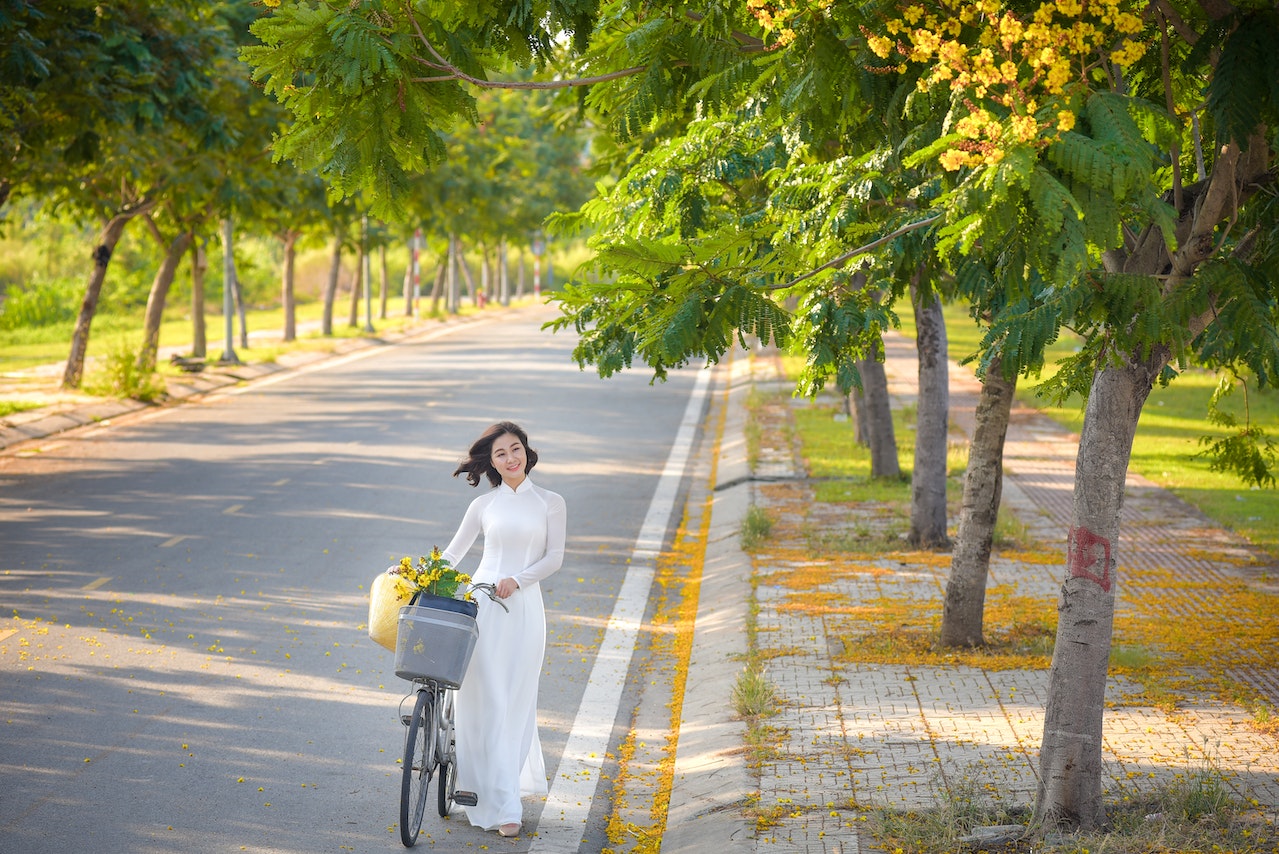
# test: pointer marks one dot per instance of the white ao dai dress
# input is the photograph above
(499, 756)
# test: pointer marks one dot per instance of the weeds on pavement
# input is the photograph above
(121, 377)
(1194, 813)
(756, 526)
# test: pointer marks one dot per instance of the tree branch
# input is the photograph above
(836, 263)
(1183, 29)
(455, 73)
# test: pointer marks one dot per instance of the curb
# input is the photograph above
(712, 784)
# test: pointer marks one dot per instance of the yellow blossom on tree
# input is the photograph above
(990, 54)
(880, 46)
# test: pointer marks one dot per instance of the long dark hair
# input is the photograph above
(479, 459)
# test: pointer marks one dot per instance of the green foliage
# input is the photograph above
(1247, 451)
(790, 188)
(327, 64)
(79, 76)
(376, 88)
(1243, 94)
(121, 377)
(39, 303)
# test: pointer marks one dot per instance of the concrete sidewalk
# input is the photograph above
(853, 736)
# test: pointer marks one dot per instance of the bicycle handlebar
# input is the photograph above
(489, 590)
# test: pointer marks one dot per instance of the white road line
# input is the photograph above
(568, 804)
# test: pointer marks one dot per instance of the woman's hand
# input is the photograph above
(505, 587)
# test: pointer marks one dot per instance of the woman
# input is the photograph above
(499, 756)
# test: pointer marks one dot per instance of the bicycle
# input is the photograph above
(429, 743)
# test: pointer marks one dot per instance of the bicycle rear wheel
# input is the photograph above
(419, 764)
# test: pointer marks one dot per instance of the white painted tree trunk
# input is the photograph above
(932, 426)
(1070, 758)
(878, 417)
(963, 612)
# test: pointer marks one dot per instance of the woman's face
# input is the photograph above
(508, 458)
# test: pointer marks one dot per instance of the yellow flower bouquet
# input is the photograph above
(398, 585)
(433, 575)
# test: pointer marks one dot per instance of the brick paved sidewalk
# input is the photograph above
(852, 736)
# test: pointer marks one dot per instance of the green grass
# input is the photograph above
(9, 407)
(756, 526)
(1168, 434)
(23, 349)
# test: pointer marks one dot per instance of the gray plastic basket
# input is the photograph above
(434, 643)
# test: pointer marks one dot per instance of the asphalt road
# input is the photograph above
(183, 658)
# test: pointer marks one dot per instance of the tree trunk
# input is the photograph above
(503, 273)
(73, 374)
(155, 301)
(471, 290)
(855, 404)
(408, 289)
(519, 284)
(357, 287)
(331, 286)
(287, 279)
(199, 332)
(1070, 762)
(385, 293)
(932, 424)
(238, 293)
(450, 279)
(963, 610)
(437, 290)
(879, 416)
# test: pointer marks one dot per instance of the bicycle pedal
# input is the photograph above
(466, 799)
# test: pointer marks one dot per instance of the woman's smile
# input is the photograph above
(509, 459)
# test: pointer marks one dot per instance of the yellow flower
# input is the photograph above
(1065, 121)
(1025, 128)
(953, 160)
(1129, 53)
(880, 46)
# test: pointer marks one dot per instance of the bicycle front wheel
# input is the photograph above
(419, 764)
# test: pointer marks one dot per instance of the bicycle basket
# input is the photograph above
(435, 640)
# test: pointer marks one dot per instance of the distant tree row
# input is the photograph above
(115, 113)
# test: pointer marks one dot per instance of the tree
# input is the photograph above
(1145, 266)
(129, 143)
(74, 73)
